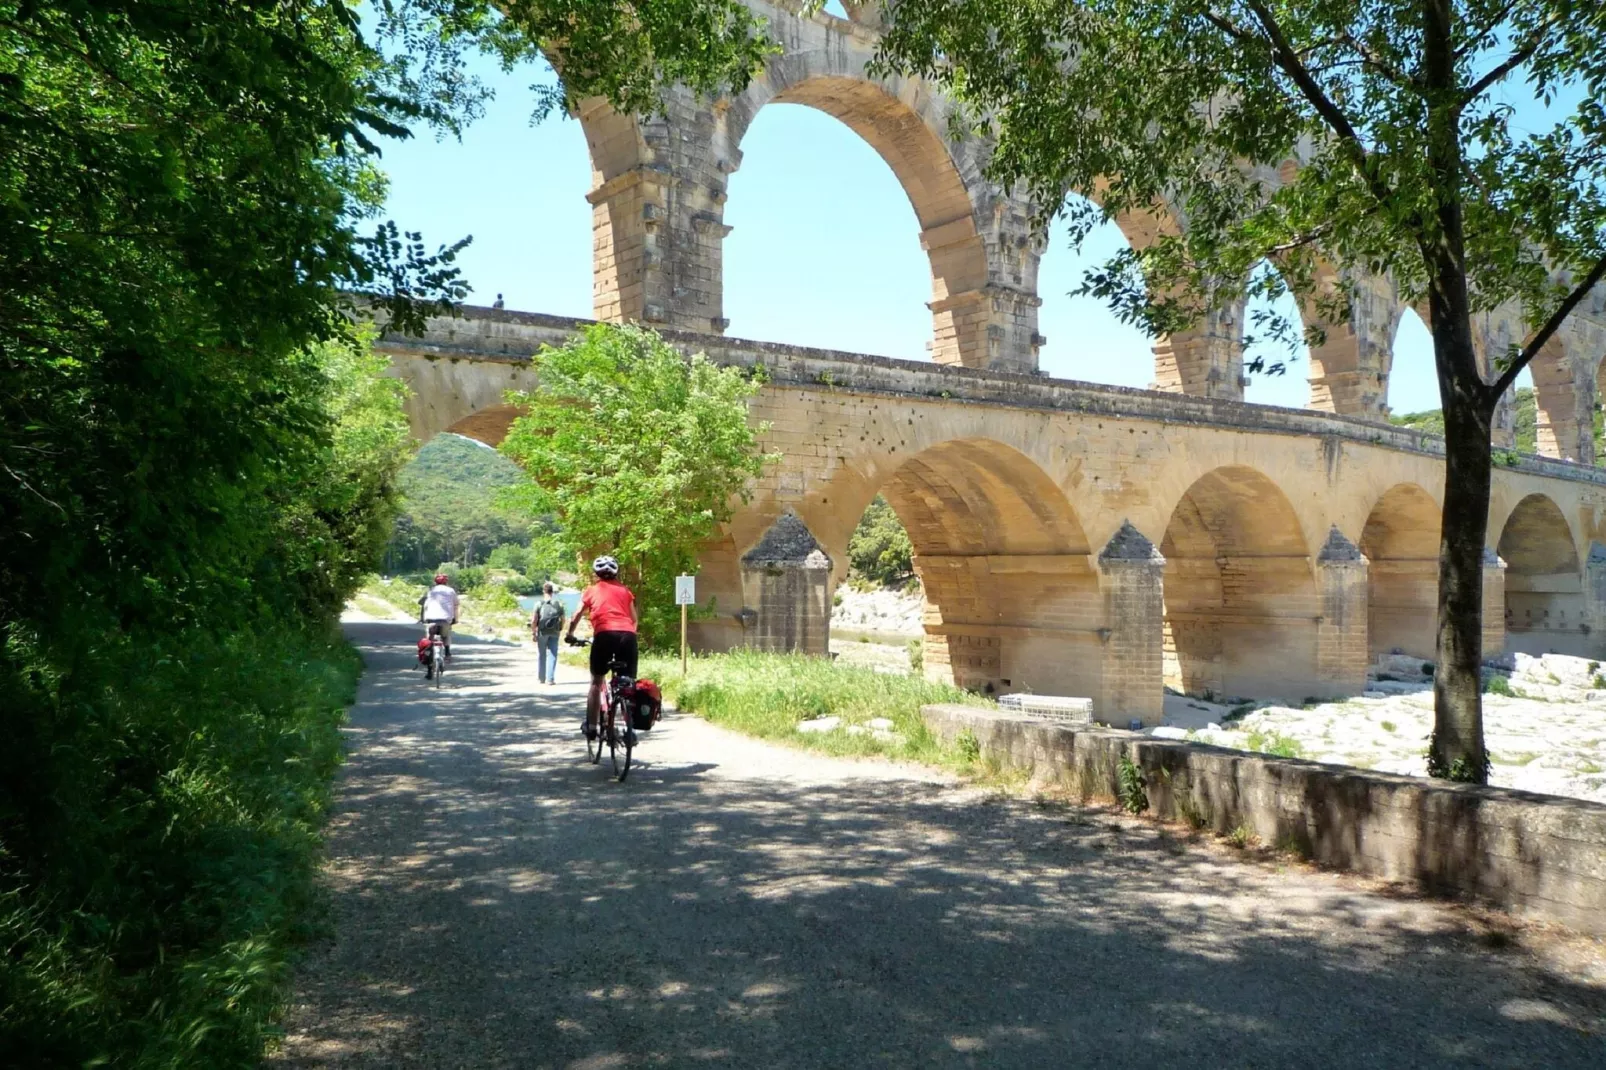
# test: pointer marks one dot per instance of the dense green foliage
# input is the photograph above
(162, 778)
(1525, 420)
(197, 464)
(879, 549)
(1389, 130)
(161, 839)
(766, 695)
(450, 510)
(636, 451)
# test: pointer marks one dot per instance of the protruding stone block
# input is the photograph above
(1205, 361)
(1132, 577)
(1595, 593)
(1341, 651)
(786, 584)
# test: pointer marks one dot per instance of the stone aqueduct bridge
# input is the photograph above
(659, 188)
(1089, 540)
(1072, 539)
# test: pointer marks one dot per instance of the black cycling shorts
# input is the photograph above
(605, 646)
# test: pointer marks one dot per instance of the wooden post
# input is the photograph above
(685, 595)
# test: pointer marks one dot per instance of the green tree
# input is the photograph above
(638, 452)
(196, 461)
(1410, 166)
(334, 522)
(188, 189)
(879, 548)
(450, 510)
(1524, 426)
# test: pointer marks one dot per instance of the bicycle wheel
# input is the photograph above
(621, 745)
(438, 655)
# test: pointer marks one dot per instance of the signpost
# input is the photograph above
(685, 595)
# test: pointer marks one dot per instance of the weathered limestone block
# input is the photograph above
(1349, 370)
(786, 584)
(1341, 650)
(657, 214)
(1564, 394)
(1595, 589)
(1206, 361)
(1131, 574)
(1494, 604)
(1537, 855)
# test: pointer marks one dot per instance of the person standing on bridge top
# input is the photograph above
(546, 624)
(611, 608)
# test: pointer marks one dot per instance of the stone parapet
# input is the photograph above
(492, 334)
(1539, 856)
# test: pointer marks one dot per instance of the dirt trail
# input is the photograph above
(500, 903)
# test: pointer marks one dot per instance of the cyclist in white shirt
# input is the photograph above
(438, 607)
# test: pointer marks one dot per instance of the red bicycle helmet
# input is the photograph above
(441, 577)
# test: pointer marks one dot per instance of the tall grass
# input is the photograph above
(768, 695)
(159, 845)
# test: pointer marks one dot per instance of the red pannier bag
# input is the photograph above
(646, 705)
(423, 651)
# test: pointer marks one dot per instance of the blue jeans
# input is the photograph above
(547, 648)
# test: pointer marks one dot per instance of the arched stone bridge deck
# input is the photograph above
(1091, 540)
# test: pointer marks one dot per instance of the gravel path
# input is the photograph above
(499, 903)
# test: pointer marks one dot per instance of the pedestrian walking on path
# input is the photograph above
(546, 625)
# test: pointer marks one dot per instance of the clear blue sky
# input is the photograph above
(824, 251)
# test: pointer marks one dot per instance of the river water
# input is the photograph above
(570, 600)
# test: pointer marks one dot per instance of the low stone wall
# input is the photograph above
(1540, 856)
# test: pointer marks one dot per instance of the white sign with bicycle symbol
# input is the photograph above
(685, 590)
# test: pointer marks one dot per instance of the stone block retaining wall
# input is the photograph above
(1540, 856)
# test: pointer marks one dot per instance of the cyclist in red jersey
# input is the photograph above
(611, 608)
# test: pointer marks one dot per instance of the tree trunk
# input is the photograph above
(1457, 748)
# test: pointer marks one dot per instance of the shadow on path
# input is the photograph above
(499, 902)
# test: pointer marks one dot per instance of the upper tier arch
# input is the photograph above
(660, 185)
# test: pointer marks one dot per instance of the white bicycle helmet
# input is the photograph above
(605, 566)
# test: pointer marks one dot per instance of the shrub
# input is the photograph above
(1238, 712)
(151, 902)
(1275, 743)
(1243, 837)
(1498, 684)
(917, 656)
(1131, 790)
(494, 598)
(1192, 813)
(510, 556)
(521, 585)
(464, 578)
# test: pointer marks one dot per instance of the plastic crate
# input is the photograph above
(1052, 707)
